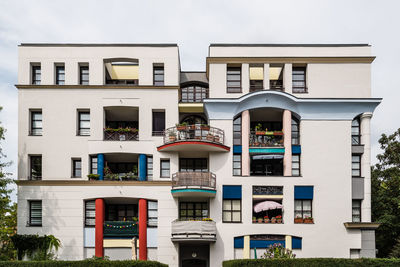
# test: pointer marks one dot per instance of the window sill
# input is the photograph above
(84, 135)
(35, 135)
(231, 222)
(33, 225)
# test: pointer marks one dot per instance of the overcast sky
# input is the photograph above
(193, 25)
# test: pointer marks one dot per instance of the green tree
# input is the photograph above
(386, 194)
(8, 210)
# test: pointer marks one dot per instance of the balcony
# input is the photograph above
(202, 184)
(120, 229)
(266, 139)
(189, 231)
(193, 138)
(121, 134)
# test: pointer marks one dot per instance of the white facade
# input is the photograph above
(333, 165)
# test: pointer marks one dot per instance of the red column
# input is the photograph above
(99, 222)
(143, 229)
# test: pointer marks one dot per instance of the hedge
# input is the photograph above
(313, 262)
(84, 263)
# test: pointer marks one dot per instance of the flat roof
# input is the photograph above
(287, 45)
(96, 45)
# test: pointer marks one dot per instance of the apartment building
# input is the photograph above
(122, 154)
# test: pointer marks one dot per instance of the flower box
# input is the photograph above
(172, 138)
(181, 128)
(216, 138)
(205, 127)
(260, 132)
(260, 220)
(278, 133)
(266, 220)
(273, 220)
(269, 133)
(210, 137)
(298, 220)
(308, 220)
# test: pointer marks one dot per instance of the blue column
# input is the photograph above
(100, 166)
(142, 167)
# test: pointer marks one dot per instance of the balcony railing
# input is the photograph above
(194, 133)
(266, 139)
(193, 179)
(276, 85)
(121, 134)
(120, 228)
(194, 230)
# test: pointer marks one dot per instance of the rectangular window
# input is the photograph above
(76, 168)
(356, 210)
(295, 165)
(237, 131)
(193, 210)
(121, 212)
(60, 75)
(234, 79)
(356, 165)
(193, 165)
(90, 213)
(35, 213)
(36, 123)
(36, 74)
(299, 80)
(303, 208)
(152, 213)
(256, 78)
(193, 93)
(237, 164)
(158, 123)
(84, 123)
(84, 75)
(232, 210)
(35, 172)
(149, 166)
(158, 75)
(164, 170)
(93, 164)
(355, 132)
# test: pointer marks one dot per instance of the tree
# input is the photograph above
(386, 194)
(8, 211)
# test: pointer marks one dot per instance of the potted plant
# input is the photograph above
(134, 219)
(93, 177)
(268, 132)
(210, 137)
(254, 219)
(182, 126)
(308, 220)
(266, 219)
(205, 127)
(216, 138)
(273, 220)
(259, 130)
(260, 220)
(172, 136)
(278, 133)
(298, 219)
(279, 219)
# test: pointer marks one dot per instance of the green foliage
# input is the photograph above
(395, 253)
(84, 263)
(93, 176)
(386, 194)
(36, 247)
(313, 262)
(277, 251)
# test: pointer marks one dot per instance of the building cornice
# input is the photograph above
(55, 86)
(91, 183)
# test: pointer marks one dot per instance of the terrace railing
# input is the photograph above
(194, 133)
(188, 179)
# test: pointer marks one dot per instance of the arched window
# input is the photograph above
(355, 131)
(194, 119)
(295, 131)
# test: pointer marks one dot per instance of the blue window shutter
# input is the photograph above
(265, 243)
(296, 242)
(238, 242)
(232, 192)
(303, 192)
(296, 149)
(237, 149)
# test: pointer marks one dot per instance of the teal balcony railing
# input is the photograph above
(120, 229)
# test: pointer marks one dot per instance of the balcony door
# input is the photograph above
(193, 165)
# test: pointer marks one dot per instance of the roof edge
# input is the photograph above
(287, 45)
(97, 45)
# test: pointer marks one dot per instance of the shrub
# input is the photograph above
(36, 247)
(84, 263)
(313, 262)
(277, 251)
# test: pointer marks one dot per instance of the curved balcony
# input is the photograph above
(193, 138)
(197, 184)
(189, 231)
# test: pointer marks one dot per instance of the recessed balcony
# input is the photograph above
(120, 229)
(196, 184)
(193, 138)
(194, 231)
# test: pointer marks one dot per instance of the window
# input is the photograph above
(35, 168)
(193, 210)
(36, 123)
(237, 131)
(256, 78)
(299, 80)
(149, 166)
(237, 164)
(158, 75)
(164, 168)
(152, 213)
(90, 213)
(121, 212)
(36, 74)
(193, 165)
(193, 93)
(60, 75)
(35, 213)
(295, 132)
(84, 75)
(266, 165)
(276, 77)
(355, 132)
(84, 123)
(234, 80)
(93, 164)
(158, 122)
(356, 210)
(76, 168)
(303, 208)
(295, 165)
(356, 165)
(232, 210)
